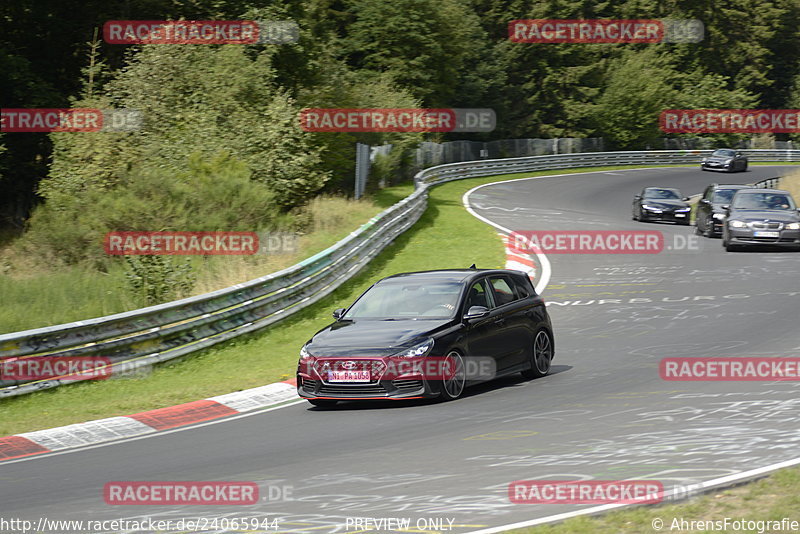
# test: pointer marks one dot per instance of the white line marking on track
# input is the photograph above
(692, 488)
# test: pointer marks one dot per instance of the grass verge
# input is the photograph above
(34, 296)
(769, 499)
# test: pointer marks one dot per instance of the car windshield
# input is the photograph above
(407, 300)
(661, 193)
(724, 152)
(764, 201)
(723, 196)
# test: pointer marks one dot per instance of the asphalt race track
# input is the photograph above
(603, 413)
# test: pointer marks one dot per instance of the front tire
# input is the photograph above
(541, 356)
(453, 384)
(727, 244)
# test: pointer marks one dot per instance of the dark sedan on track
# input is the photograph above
(761, 217)
(709, 216)
(661, 204)
(724, 159)
(428, 334)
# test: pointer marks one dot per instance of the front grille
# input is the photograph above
(340, 389)
(407, 385)
(308, 385)
(766, 226)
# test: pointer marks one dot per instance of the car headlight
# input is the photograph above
(417, 350)
(683, 209)
(305, 355)
(719, 216)
(793, 226)
(728, 161)
(647, 207)
(737, 224)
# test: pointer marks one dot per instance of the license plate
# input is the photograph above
(680, 215)
(766, 234)
(348, 376)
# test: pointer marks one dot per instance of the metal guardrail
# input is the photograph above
(769, 183)
(150, 335)
(471, 169)
(155, 334)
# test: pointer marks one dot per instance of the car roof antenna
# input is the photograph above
(472, 266)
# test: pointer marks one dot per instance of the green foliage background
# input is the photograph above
(228, 113)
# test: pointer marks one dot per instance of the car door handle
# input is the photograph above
(500, 322)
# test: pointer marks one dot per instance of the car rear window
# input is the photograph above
(503, 290)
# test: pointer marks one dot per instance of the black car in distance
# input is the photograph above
(709, 216)
(724, 159)
(428, 334)
(661, 204)
(761, 217)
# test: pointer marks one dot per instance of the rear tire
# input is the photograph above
(323, 403)
(541, 356)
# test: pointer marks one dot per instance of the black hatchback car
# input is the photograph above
(709, 216)
(724, 159)
(428, 334)
(761, 217)
(661, 204)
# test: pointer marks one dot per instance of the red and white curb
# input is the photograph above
(113, 428)
(517, 259)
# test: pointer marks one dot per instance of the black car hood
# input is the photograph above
(372, 337)
(665, 203)
(784, 216)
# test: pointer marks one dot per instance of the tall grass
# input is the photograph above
(34, 295)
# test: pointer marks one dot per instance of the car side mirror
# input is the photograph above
(703, 201)
(476, 312)
(726, 207)
(685, 199)
(338, 312)
(637, 197)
